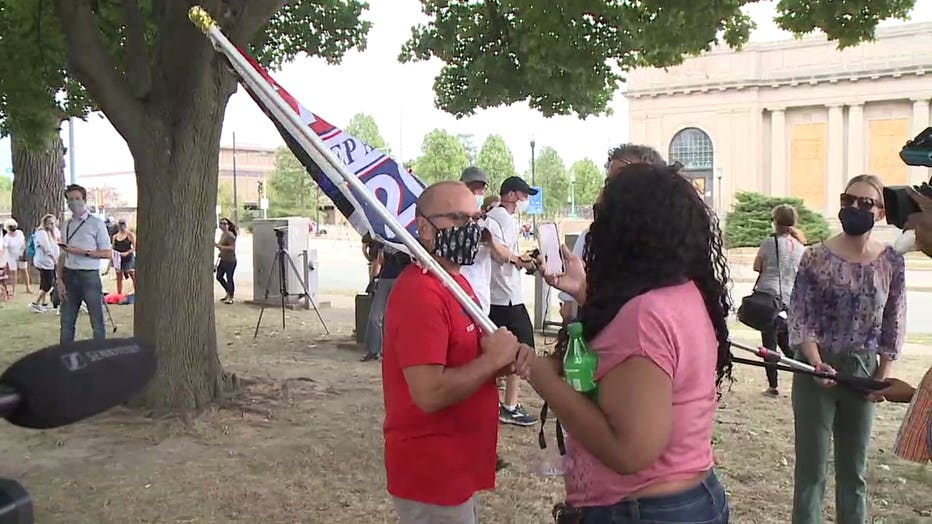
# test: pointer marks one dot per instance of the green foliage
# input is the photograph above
(6, 193)
(327, 28)
(750, 222)
(495, 159)
(443, 157)
(466, 140)
(569, 57)
(589, 181)
(292, 189)
(33, 72)
(550, 174)
(363, 127)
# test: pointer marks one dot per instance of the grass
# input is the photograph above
(303, 442)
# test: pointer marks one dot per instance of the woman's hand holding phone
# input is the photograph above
(573, 279)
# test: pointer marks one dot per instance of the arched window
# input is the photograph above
(692, 148)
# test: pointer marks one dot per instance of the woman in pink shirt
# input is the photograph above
(654, 307)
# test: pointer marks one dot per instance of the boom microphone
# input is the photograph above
(63, 384)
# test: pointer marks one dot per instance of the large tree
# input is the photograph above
(570, 56)
(496, 160)
(443, 157)
(363, 127)
(164, 88)
(36, 95)
(550, 174)
(589, 179)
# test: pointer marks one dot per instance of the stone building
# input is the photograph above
(790, 118)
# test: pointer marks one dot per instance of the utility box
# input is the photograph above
(293, 234)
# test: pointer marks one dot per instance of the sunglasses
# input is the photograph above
(863, 203)
(224, 223)
(457, 218)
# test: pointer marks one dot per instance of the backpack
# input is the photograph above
(31, 246)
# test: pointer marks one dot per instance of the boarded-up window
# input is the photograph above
(807, 164)
(887, 138)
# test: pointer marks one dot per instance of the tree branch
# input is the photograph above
(244, 17)
(137, 57)
(93, 66)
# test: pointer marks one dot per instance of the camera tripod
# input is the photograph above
(281, 255)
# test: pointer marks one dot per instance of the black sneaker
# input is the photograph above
(517, 416)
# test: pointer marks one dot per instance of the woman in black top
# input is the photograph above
(124, 243)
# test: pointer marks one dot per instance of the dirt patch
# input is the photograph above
(302, 442)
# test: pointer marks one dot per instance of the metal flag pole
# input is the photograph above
(773, 359)
(329, 163)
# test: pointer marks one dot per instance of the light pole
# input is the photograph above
(572, 194)
(720, 172)
(235, 199)
(533, 183)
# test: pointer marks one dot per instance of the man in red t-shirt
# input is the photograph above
(438, 374)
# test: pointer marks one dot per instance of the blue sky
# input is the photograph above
(400, 99)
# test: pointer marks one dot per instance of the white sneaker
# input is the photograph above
(35, 308)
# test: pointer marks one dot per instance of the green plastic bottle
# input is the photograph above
(580, 363)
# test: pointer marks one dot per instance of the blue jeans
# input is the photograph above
(703, 504)
(82, 286)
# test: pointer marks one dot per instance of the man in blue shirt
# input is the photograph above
(85, 243)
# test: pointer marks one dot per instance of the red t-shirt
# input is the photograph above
(444, 457)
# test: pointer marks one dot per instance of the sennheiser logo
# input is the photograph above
(74, 361)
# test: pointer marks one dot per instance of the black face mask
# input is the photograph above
(855, 222)
(458, 244)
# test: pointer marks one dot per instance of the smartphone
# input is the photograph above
(548, 239)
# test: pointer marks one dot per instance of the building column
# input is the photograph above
(920, 121)
(778, 172)
(855, 140)
(835, 184)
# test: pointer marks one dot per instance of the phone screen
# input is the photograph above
(548, 238)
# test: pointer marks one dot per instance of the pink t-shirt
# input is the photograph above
(670, 326)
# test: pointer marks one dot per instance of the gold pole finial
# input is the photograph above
(201, 18)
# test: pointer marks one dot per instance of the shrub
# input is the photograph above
(750, 222)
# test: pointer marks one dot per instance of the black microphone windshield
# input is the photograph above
(63, 384)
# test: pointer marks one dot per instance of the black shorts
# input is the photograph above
(46, 279)
(515, 319)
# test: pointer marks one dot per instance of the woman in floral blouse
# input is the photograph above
(847, 313)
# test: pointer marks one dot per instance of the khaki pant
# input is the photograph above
(412, 512)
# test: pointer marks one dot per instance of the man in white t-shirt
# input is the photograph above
(618, 158)
(506, 299)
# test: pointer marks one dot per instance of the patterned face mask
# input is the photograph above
(458, 244)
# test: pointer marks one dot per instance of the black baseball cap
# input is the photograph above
(516, 183)
(473, 174)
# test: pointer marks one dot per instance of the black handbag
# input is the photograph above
(759, 310)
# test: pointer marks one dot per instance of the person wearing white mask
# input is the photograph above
(506, 299)
(85, 243)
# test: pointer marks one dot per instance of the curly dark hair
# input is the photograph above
(634, 154)
(653, 230)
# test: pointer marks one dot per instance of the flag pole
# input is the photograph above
(332, 167)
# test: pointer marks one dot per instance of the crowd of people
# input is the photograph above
(648, 281)
(69, 263)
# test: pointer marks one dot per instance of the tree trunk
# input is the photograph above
(176, 177)
(38, 181)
